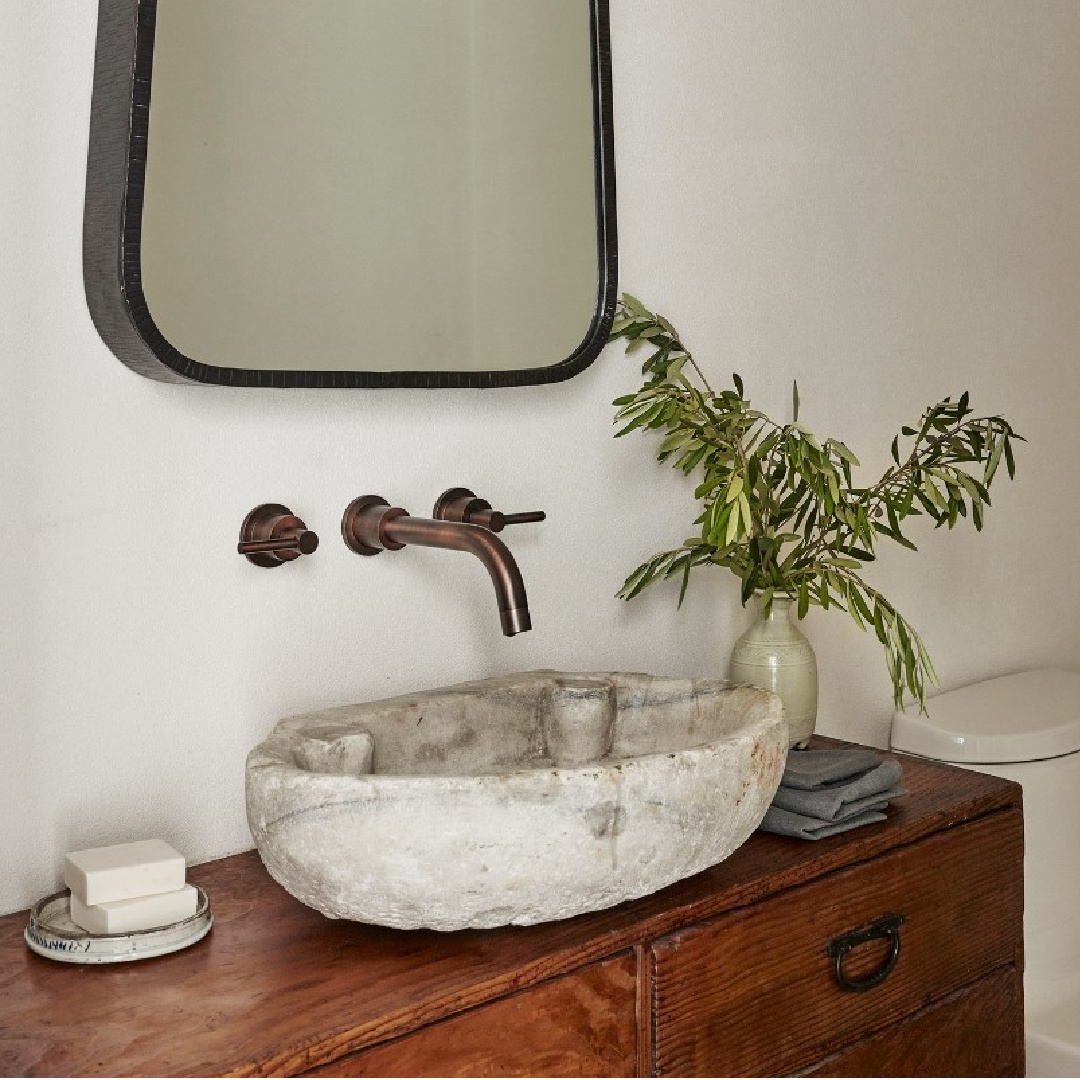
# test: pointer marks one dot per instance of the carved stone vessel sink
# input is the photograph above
(514, 800)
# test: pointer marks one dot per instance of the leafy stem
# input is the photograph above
(780, 509)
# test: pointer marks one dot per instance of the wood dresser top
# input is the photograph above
(277, 988)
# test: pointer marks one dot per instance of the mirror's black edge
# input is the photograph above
(116, 162)
(606, 217)
(107, 189)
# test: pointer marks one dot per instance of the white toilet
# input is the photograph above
(1026, 727)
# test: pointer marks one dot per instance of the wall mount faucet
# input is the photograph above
(272, 535)
(370, 525)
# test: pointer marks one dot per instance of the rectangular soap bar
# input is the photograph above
(124, 871)
(143, 913)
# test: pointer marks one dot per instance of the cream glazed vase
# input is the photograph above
(775, 654)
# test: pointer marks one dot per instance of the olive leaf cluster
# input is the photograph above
(780, 508)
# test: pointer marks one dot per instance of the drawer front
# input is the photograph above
(978, 1031)
(754, 992)
(582, 1024)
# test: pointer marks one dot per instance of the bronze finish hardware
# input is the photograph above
(272, 534)
(371, 525)
(460, 504)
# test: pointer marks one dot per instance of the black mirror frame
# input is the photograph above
(116, 168)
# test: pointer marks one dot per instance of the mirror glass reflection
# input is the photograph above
(378, 185)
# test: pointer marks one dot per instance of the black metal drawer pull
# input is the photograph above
(888, 926)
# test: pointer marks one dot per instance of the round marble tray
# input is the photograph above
(52, 934)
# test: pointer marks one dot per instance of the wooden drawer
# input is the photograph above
(583, 1024)
(978, 1031)
(753, 992)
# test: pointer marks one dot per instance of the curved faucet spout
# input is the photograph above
(371, 525)
(486, 546)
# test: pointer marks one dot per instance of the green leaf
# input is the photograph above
(860, 603)
(967, 484)
(747, 588)
(853, 611)
(977, 516)
(766, 601)
(738, 384)
(732, 526)
(690, 460)
(631, 586)
(804, 599)
(995, 460)
(685, 580)
(879, 625)
(744, 509)
(632, 303)
(794, 401)
(675, 440)
(722, 516)
(934, 495)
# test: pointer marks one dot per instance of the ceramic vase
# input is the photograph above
(776, 655)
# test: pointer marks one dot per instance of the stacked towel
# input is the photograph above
(825, 792)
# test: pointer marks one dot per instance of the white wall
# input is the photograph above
(882, 199)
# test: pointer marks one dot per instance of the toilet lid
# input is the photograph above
(1023, 717)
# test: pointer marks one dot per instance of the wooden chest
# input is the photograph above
(895, 949)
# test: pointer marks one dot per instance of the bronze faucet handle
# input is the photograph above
(272, 534)
(460, 504)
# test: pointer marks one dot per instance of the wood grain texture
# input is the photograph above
(753, 993)
(583, 1024)
(970, 1033)
(278, 989)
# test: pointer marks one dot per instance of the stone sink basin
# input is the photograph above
(513, 800)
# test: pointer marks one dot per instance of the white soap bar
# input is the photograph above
(143, 913)
(123, 871)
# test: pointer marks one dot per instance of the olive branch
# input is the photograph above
(779, 508)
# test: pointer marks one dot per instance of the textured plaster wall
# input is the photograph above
(882, 199)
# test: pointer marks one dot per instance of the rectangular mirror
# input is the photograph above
(352, 192)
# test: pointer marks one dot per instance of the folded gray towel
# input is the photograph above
(834, 801)
(825, 792)
(785, 823)
(809, 769)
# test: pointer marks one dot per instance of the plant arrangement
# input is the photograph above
(780, 508)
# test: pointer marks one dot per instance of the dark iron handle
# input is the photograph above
(887, 927)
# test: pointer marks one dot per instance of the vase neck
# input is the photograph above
(781, 606)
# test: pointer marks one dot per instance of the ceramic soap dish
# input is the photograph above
(52, 934)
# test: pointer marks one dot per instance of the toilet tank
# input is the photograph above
(1023, 727)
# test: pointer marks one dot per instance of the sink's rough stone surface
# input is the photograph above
(512, 800)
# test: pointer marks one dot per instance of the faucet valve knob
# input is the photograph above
(272, 534)
(460, 504)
